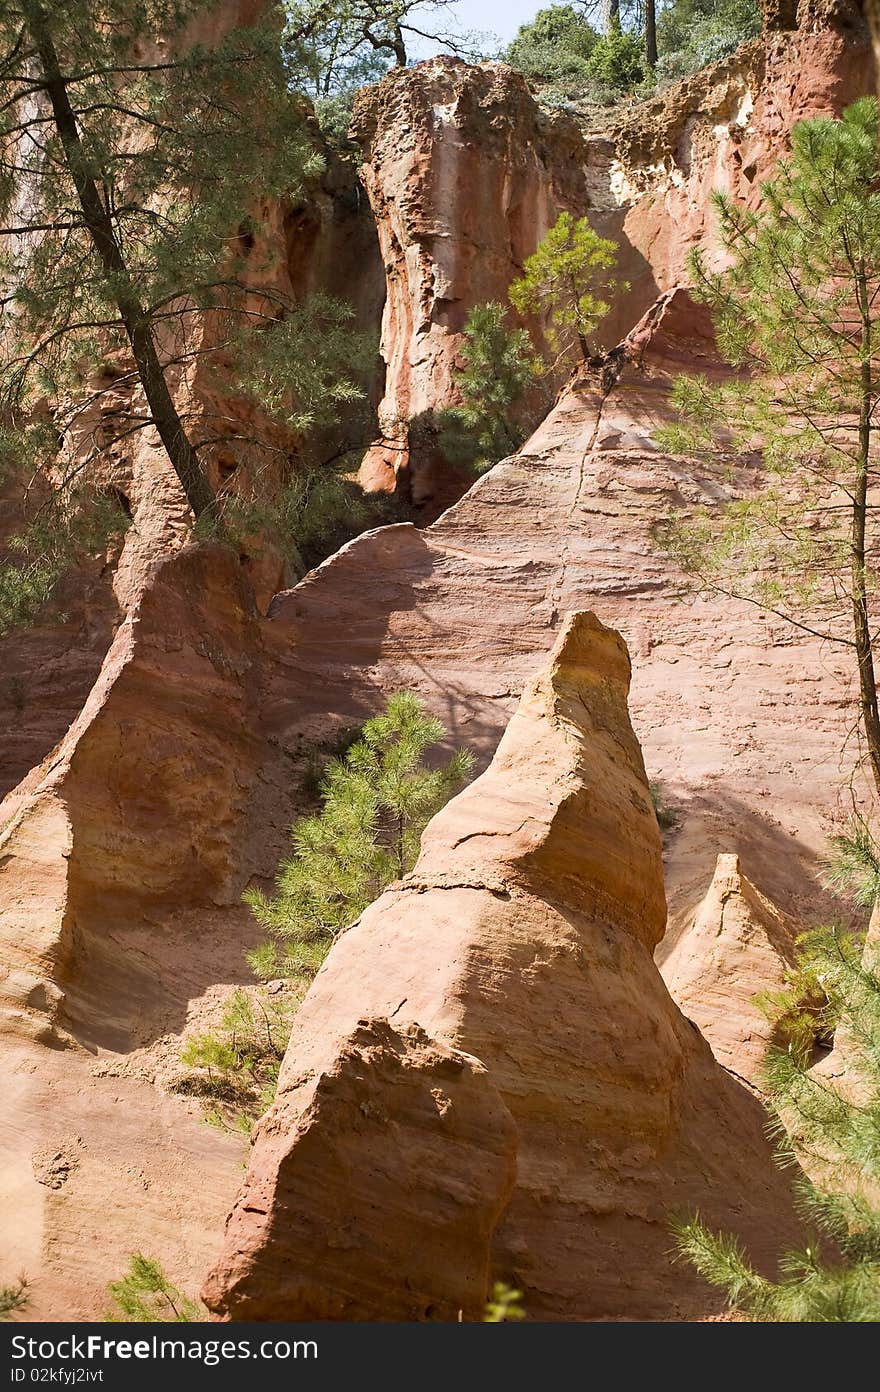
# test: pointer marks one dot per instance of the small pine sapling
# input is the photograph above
(378, 798)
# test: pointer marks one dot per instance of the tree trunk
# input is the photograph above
(199, 493)
(651, 33)
(399, 47)
(610, 15)
(861, 620)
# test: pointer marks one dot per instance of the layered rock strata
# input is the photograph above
(524, 938)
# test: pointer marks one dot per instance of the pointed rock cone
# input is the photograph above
(738, 946)
(522, 940)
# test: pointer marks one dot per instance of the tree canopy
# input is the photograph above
(132, 178)
(798, 308)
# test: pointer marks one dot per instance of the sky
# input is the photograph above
(499, 17)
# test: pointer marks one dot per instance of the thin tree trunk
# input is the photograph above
(651, 33)
(199, 493)
(861, 621)
(610, 15)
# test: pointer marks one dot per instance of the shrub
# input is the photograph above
(238, 1063)
(554, 47)
(693, 33)
(565, 279)
(498, 365)
(13, 1298)
(378, 798)
(852, 864)
(618, 61)
(144, 1295)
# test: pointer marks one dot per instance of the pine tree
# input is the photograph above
(238, 1062)
(618, 60)
(378, 798)
(132, 173)
(799, 307)
(837, 1134)
(13, 1298)
(144, 1295)
(498, 365)
(564, 279)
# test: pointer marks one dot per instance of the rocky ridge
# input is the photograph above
(523, 937)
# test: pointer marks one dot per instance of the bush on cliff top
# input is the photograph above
(564, 57)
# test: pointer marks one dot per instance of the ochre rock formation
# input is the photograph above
(404, 1159)
(121, 928)
(524, 937)
(737, 947)
(142, 804)
(465, 175)
(735, 714)
(465, 172)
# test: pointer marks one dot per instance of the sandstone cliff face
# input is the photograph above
(326, 243)
(523, 936)
(737, 947)
(465, 172)
(726, 127)
(465, 175)
(141, 804)
(735, 716)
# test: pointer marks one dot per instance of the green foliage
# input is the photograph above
(139, 255)
(840, 1137)
(310, 517)
(801, 1013)
(333, 47)
(797, 307)
(667, 817)
(238, 1063)
(694, 33)
(852, 863)
(567, 60)
(497, 367)
(504, 1306)
(13, 1298)
(554, 47)
(144, 1295)
(618, 60)
(565, 279)
(68, 525)
(378, 798)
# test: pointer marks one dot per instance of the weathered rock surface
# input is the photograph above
(524, 937)
(742, 723)
(736, 716)
(142, 804)
(726, 128)
(737, 947)
(465, 175)
(385, 1204)
(466, 172)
